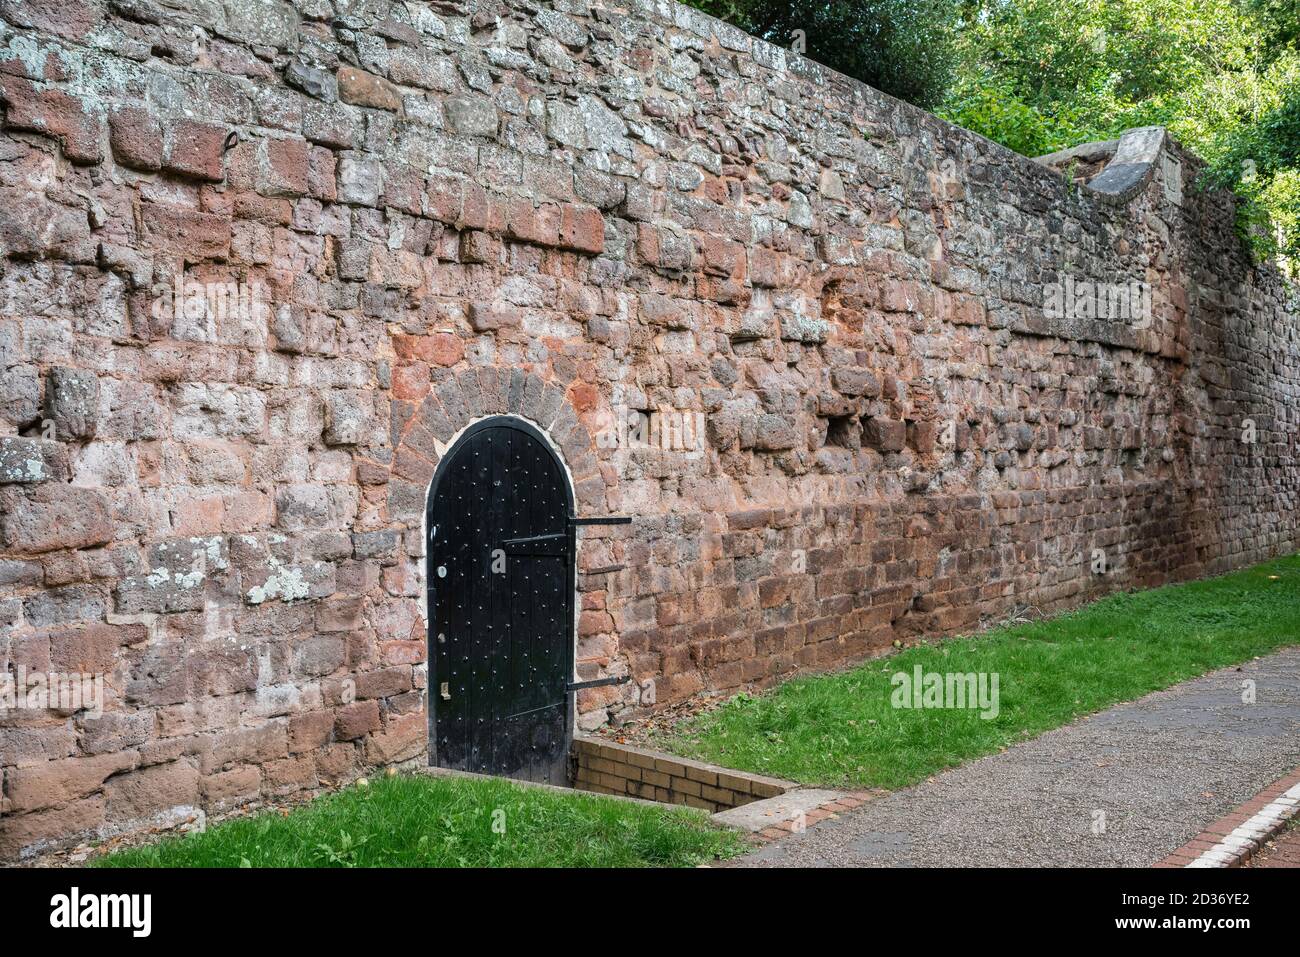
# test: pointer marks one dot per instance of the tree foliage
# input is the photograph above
(1222, 75)
(1043, 75)
(904, 47)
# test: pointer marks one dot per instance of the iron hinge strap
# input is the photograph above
(556, 543)
(598, 683)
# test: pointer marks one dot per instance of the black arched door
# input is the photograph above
(501, 614)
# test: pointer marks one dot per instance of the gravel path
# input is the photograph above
(1160, 768)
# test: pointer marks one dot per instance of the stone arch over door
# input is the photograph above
(427, 434)
(424, 430)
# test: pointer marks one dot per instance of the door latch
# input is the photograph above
(445, 691)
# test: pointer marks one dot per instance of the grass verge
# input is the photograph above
(841, 729)
(418, 821)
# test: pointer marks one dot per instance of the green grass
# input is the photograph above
(417, 821)
(841, 730)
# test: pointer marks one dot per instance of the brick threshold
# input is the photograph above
(608, 767)
(765, 808)
(1235, 838)
(801, 822)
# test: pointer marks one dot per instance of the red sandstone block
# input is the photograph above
(57, 782)
(403, 188)
(476, 208)
(923, 436)
(383, 683)
(721, 257)
(310, 731)
(290, 774)
(443, 348)
(140, 793)
(365, 89)
(664, 248)
(136, 138)
(196, 150)
(285, 168)
(477, 246)
(403, 652)
(403, 737)
(57, 827)
(581, 228)
(411, 381)
(887, 435)
(246, 511)
(70, 19)
(594, 623)
(485, 317)
(445, 199)
(527, 223)
(447, 349)
(190, 233)
(336, 762)
(356, 720)
(52, 113)
(770, 269)
(262, 209)
(91, 648)
(229, 788)
(322, 174)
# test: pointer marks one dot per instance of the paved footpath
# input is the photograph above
(1282, 851)
(1160, 768)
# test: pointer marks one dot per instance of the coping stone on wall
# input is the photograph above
(1133, 164)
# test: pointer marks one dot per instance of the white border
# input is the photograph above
(1248, 835)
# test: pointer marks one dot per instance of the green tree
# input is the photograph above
(904, 47)
(1280, 17)
(1222, 75)
(1043, 75)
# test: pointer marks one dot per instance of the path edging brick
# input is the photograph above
(1236, 837)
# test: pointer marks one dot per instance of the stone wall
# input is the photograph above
(260, 260)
